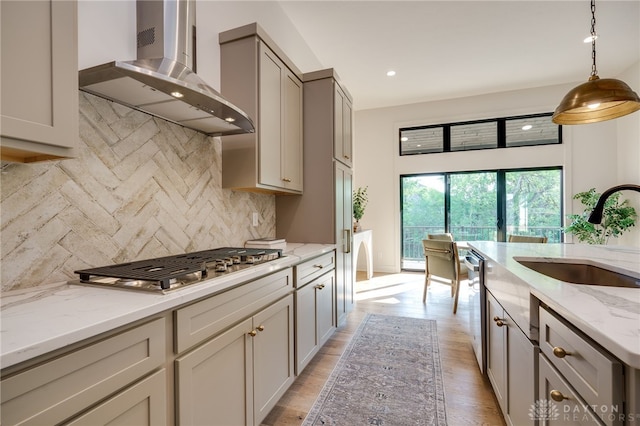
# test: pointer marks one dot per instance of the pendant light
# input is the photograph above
(597, 99)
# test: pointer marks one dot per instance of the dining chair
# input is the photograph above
(443, 237)
(526, 239)
(441, 260)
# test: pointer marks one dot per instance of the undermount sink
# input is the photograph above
(577, 272)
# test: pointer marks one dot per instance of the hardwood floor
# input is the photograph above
(468, 395)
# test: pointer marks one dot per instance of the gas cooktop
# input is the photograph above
(170, 273)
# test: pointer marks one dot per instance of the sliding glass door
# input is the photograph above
(472, 210)
(479, 206)
(534, 203)
(423, 212)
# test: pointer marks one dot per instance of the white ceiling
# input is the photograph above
(450, 49)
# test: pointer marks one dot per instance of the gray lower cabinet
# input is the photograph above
(144, 403)
(584, 382)
(238, 376)
(68, 388)
(315, 295)
(315, 318)
(570, 409)
(511, 365)
(222, 360)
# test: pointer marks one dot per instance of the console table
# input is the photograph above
(363, 238)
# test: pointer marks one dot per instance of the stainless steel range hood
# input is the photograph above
(161, 81)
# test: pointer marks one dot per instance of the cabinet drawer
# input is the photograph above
(202, 320)
(312, 269)
(593, 373)
(144, 403)
(572, 410)
(58, 389)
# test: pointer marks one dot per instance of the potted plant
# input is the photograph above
(617, 218)
(360, 201)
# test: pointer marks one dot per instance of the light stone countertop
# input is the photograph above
(609, 315)
(42, 319)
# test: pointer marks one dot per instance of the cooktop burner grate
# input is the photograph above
(163, 270)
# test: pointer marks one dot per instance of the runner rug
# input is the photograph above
(389, 374)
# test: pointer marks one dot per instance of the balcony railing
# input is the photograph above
(413, 235)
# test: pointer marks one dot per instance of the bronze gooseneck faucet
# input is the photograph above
(596, 214)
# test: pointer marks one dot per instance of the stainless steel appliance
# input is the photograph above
(170, 273)
(475, 265)
(162, 80)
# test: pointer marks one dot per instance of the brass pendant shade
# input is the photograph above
(615, 99)
(597, 99)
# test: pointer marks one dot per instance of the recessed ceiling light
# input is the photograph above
(229, 119)
(527, 127)
(590, 38)
(391, 73)
(177, 94)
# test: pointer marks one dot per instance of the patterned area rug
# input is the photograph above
(389, 374)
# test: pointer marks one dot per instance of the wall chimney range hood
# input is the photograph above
(162, 81)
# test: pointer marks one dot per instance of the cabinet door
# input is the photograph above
(271, 71)
(39, 80)
(347, 139)
(496, 351)
(272, 356)
(315, 318)
(344, 261)
(306, 336)
(521, 375)
(142, 404)
(325, 310)
(291, 148)
(342, 127)
(214, 382)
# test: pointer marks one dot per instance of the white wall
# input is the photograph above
(629, 152)
(590, 155)
(107, 32)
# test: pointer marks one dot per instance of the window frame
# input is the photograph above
(501, 202)
(501, 124)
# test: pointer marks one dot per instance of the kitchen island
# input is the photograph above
(609, 315)
(573, 347)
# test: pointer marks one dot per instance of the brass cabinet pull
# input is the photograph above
(500, 321)
(560, 352)
(260, 328)
(318, 266)
(252, 333)
(286, 179)
(320, 286)
(347, 157)
(557, 396)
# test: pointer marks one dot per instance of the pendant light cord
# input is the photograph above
(594, 71)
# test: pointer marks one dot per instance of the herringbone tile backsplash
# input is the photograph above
(140, 187)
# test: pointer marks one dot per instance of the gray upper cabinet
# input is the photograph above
(260, 79)
(39, 80)
(343, 141)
